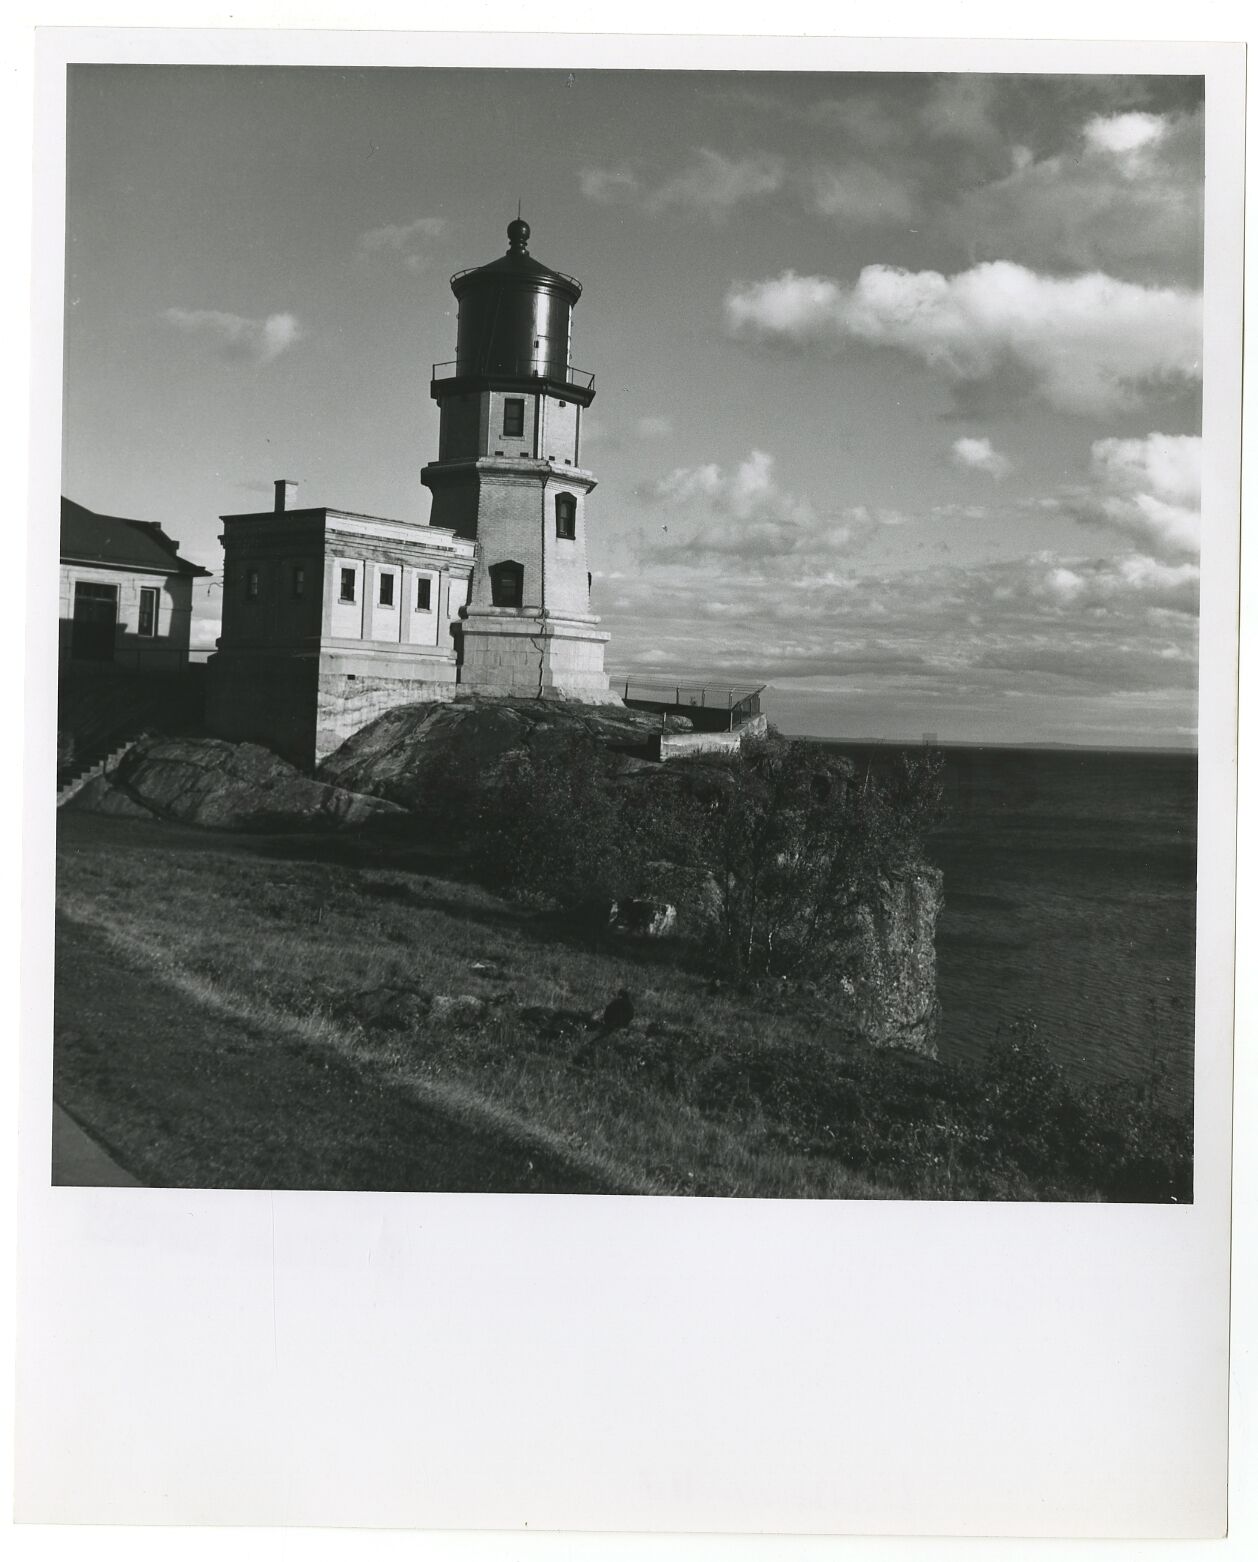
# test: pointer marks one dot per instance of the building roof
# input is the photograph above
(114, 540)
(420, 529)
(517, 265)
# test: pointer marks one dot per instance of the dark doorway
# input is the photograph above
(95, 619)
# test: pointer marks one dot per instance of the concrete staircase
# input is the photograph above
(93, 768)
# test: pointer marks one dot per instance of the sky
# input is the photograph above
(898, 376)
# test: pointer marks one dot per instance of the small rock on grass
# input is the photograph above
(457, 1009)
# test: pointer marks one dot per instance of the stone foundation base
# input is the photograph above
(507, 652)
(264, 699)
(349, 702)
(303, 707)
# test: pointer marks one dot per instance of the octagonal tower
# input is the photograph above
(508, 477)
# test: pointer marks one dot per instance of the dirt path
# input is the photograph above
(180, 1095)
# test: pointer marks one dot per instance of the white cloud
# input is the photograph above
(236, 337)
(654, 427)
(711, 184)
(1167, 465)
(1087, 344)
(754, 517)
(409, 240)
(1120, 586)
(1064, 584)
(759, 525)
(1123, 133)
(979, 455)
(1150, 488)
(748, 492)
(1126, 196)
(204, 631)
(1146, 574)
(714, 184)
(607, 185)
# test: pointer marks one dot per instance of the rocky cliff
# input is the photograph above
(887, 984)
(883, 988)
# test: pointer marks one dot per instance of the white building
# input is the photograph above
(329, 619)
(125, 594)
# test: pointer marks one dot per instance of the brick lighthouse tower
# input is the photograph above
(508, 477)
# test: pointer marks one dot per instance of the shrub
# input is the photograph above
(790, 844)
(547, 826)
(797, 848)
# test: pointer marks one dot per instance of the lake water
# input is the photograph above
(1070, 898)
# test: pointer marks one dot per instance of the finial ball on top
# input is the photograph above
(518, 233)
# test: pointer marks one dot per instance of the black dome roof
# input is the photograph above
(517, 265)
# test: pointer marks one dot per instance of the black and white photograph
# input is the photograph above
(630, 632)
(638, 929)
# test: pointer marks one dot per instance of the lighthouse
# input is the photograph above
(508, 479)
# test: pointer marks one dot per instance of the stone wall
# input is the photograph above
(348, 702)
(522, 656)
(267, 699)
(684, 745)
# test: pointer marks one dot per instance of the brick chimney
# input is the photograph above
(282, 486)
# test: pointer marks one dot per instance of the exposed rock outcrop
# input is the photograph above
(884, 987)
(223, 786)
(882, 981)
(643, 918)
(415, 753)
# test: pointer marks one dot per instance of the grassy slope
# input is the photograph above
(259, 1011)
(208, 994)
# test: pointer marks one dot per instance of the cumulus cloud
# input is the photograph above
(710, 184)
(973, 454)
(1126, 194)
(1087, 344)
(748, 493)
(752, 523)
(236, 337)
(1124, 133)
(1135, 579)
(1149, 488)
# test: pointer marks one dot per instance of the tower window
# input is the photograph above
(506, 583)
(423, 594)
(386, 588)
(347, 585)
(251, 585)
(299, 581)
(513, 417)
(148, 611)
(565, 515)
